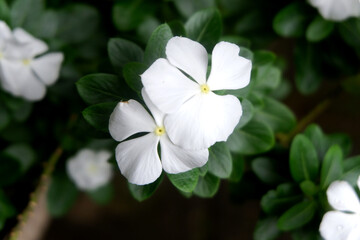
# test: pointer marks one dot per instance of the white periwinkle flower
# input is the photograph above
(197, 117)
(337, 10)
(22, 73)
(138, 158)
(90, 169)
(344, 223)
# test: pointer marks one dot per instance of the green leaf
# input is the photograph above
(47, 25)
(350, 32)
(18, 108)
(102, 87)
(266, 229)
(61, 195)
(318, 138)
(297, 216)
(248, 113)
(185, 182)
(291, 20)
(72, 21)
(25, 12)
(265, 170)
(268, 77)
(203, 170)
(307, 63)
(304, 164)
(189, 7)
(131, 73)
(319, 29)
(6, 207)
(143, 192)
(102, 195)
(341, 139)
(4, 11)
(246, 53)
(10, 169)
(205, 27)
(207, 186)
(220, 161)
(177, 28)
(23, 153)
(98, 115)
(263, 57)
(309, 188)
(240, 41)
(332, 166)
(146, 28)
(122, 51)
(157, 43)
(127, 14)
(351, 170)
(238, 166)
(276, 115)
(255, 137)
(4, 117)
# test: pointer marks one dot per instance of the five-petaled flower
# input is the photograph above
(196, 116)
(22, 73)
(337, 10)
(344, 223)
(90, 169)
(138, 158)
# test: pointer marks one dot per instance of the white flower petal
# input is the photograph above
(358, 182)
(19, 80)
(47, 67)
(129, 118)
(31, 46)
(156, 113)
(176, 160)
(343, 197)
(203, 120)
(138, 159)
(5, 33)
(189, 56)
(167, 87)
(228, 69)
(337, 225)
(355, 232)
(337, 10)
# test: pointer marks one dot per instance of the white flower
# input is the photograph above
(22, 73)
(344, 223)
(197, 117)
(89, 169)
(138, 158)
(337, 10)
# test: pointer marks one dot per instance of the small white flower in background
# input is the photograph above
(197, 117)
(22, 73)
(138, 158)
(337, 10)
(90, 169)
(344, 222)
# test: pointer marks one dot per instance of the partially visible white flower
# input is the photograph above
(138, 158)
(22, 73)
(90, 169)
(337, 10)
(344, 223)
(197, 117)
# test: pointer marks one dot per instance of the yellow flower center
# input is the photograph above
(159, 131)
(204, 88)
(26, 61)
(92, 168)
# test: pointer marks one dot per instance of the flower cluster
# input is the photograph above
(344, 222)
(337, 10)
(187, 115)
(22, 73)
(89, 169)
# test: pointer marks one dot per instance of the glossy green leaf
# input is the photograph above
(122, 51)
(220, 161)
(318, 139)
(4, 117)
(128, 15)
(157, 43)
(25, 12)
(61, 195)
(246, 53)
(131, 73)
(263, 57)
(255, 137)
(291, 20)
(309, 188)
(266, 229)
(23, 153)
(102, 195)
(248, 113)
(341, 139)
(98, 115)
(189, 7)
(238, 167)
(304, 163)
(146, 28)
(351, 170)
(205, 27)
(4, 11)
(207, 186)
(185, 182)
(265, 170)
(267, 77)
(177, 28)
(319, 29)
(332, 166)
(240, 41)
(47, 26)
(350, 32)
(143, 192)
(101, 87)
(276, 115)
(297, 216)
(203, 170)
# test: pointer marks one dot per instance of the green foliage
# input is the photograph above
(132, 72)
(332, 166)
(102, 195)
(266, 229)
(185, 182)
(143, 192)
(98, 115)
(248, 113)
(4, 11)
(207, 186)
(61, 195)
(7, 210)
(265, 170)
(189, 7)
(220, 161)
(156, 45)
(319, 29)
